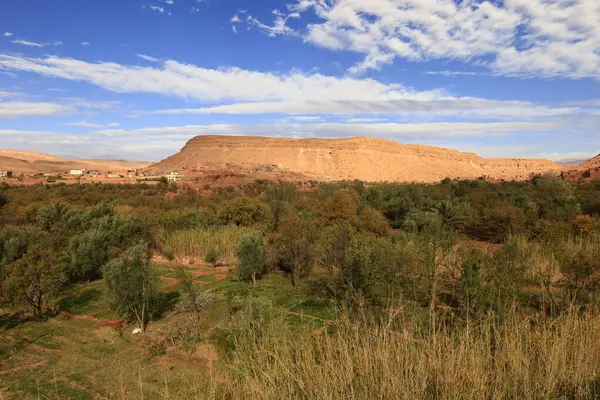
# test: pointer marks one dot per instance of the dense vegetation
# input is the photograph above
(461, 289)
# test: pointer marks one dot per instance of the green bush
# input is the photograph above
(211, 256)
(243, 211)
(168, 254)
(251, 256)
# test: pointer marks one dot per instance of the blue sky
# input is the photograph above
(136, 79)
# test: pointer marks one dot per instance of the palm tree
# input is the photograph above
(52, 214)
(452, 215)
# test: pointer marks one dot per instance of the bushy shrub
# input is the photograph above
(211, 256)
(243, 211)
(168, 254)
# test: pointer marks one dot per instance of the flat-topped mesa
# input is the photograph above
(363, 158)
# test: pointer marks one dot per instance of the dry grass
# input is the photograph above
(194, 243)
(495, 361)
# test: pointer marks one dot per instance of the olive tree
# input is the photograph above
(35, 278)
(251, 256)
(131, 286)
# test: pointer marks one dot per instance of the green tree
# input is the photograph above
(251, 257)
(14, 242)
(131, 286)
(52, 214)
(292, 249)
(581, 267)
(452, 215)
(35, 278)
(243, 211)
(88, 252)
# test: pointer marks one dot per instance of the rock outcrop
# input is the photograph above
(363, 158)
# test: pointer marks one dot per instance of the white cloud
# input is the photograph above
(234, 29)
(84, 124)
(213, 85)
(155, 143)
(147, 58)
(511, 37)
(85, 44)
(429, 107)
(460, 73)
(235, 19)
(8, 93)
(8, 34)
(160, 9)
(279, 25)
(93, 104)
(10, 110)
(36, 44)
(305, 118)
(364, 120)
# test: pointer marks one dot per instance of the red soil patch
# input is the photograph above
(118, 324)
(23, 367)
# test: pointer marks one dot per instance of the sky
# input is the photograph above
(136, 79)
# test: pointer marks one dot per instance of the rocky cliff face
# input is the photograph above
(362, 158)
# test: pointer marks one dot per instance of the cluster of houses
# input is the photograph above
(171, 176)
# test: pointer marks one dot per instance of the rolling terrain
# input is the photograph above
(32, 162)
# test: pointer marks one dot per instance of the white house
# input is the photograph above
(77, 172)
(173, 177)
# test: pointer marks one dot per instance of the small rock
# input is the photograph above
(136, 331)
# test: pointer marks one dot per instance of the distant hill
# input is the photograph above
(591, 163)
(28, 161)
(363, 158)
(572, 162)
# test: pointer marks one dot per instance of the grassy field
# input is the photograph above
(83, 354)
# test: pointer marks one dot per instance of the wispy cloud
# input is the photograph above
(85, 124)
(160, 9)
(9, 93)
(36, 44)
(460, 73)
(92, 104)
(212, 85)
(9, 110)
(85, 44)
(147, 58)
(8, 34)
(305, 118)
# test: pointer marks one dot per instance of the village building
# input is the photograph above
(173, 176)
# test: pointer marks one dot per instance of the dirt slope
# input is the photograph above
(590, 164)
(363, 158)
(27, 161)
